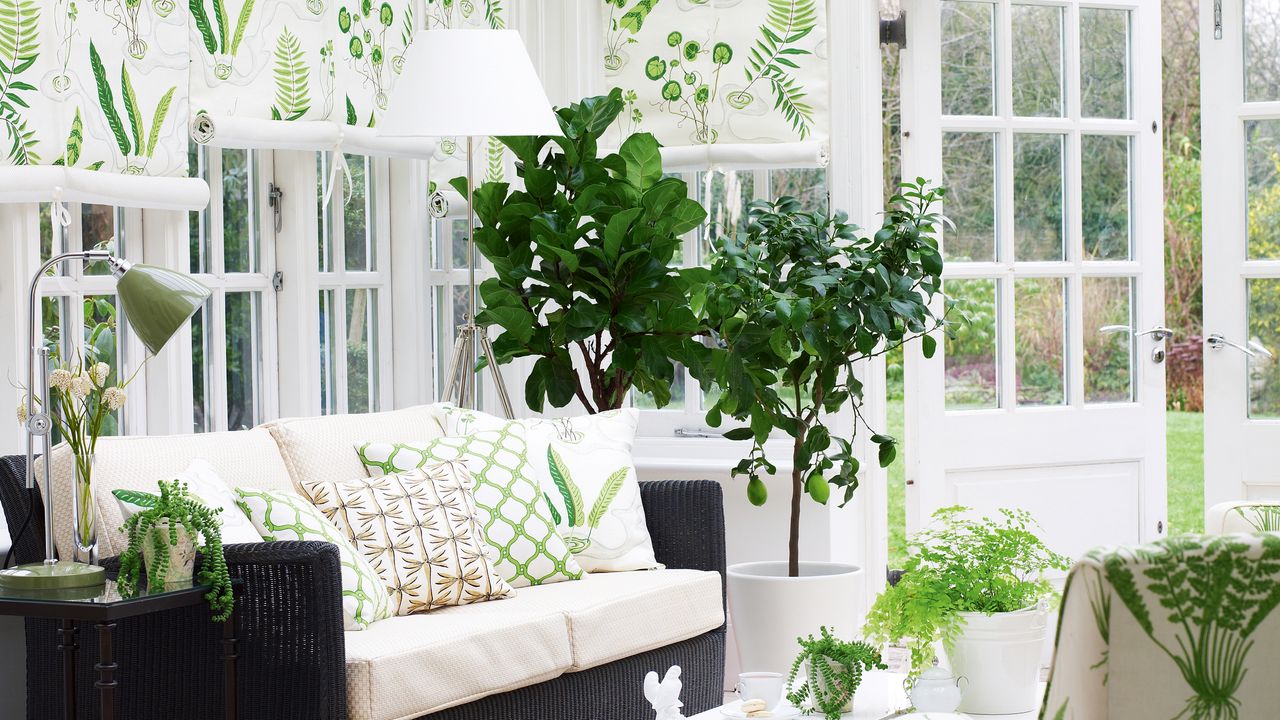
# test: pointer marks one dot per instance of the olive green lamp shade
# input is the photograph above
(157, 302)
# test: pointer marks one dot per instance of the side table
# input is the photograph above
(103, 607)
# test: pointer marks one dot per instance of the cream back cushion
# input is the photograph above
(246, 458)
(322, 449)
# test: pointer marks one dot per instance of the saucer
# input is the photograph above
(781, 712)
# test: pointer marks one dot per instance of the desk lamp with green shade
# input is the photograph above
(156, 303)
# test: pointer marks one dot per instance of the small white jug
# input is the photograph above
(936, 690)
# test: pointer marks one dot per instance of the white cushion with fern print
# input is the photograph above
(585, 468)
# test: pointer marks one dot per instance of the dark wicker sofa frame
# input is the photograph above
(291, 662)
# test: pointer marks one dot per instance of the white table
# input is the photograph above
(879, 695)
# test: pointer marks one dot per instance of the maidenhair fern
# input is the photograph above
(292, 76)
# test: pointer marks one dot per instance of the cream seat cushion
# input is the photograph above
(409, 666)
(321, 449)
(247, 458)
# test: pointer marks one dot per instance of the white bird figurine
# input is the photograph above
(665, 696)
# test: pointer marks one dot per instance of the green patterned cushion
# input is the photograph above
(513, 512)
(282, 515)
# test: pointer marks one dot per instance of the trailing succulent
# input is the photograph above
(962, 564)
(830, 670)
(178, 508)
(582, 261)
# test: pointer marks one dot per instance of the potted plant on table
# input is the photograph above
(795, 303)
(978, 586)
(163, 538)
(830, 671)
(582, 263)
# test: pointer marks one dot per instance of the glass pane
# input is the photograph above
(1108, 339)
(1262, 50)
(1037, 197)
(1262, 156)
(362, 353)
(808, 185)
(442, 334)
(1104, 63)
(457, 230)
(202, 418)
(357, 216)
(725, 195)
(645, 401)
(1039, 331)
(1264, 331)
(239, 206)
(53, 316)
(324, 229)
(198, 222)
(99, 230)
(970, 350)
(1105, 196)
(328, 373)
(101, 344)
(1037, 61)
(969, 173)
(244, 359)
(968, 58)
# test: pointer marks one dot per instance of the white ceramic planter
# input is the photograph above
(770, 610)
(999, 658)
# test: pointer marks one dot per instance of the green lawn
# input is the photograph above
(1185, 440)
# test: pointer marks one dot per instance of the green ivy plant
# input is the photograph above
(795, 302)
(178, 508)
(832, 671)
(962, 564)
(582, 260)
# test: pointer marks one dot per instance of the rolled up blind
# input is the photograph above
(95, 105)
(299, 74)
(722, 83)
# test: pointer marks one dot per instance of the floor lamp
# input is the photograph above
(156, 303)
(469, 83)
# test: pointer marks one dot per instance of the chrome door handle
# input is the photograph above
(1157, 333)
(1253, 348)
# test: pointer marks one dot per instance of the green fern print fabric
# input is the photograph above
(585, 469)
(289, 516)
(707, 73)
(1183, 628)
(513, 512)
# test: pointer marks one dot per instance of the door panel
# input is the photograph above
(1041, 119)
(1241, 166)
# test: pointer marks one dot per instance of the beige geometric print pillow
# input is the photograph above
(420, 532)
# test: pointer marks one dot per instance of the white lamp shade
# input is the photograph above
(468, 82)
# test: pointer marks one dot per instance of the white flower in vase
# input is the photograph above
(100, 373)
(60, 379)
(114, 398)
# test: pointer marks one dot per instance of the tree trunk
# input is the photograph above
(797, 492)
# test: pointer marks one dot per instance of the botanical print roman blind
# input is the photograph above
(93, 103)
(300, 74)
(726, 83)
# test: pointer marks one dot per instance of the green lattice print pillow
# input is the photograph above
(513, 512)
(288, 516)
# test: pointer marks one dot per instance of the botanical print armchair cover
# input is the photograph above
(1243, 516)
(1183, 628)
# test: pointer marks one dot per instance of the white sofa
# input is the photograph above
(412, 666)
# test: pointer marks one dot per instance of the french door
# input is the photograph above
(1041, 118)
(1240, 64)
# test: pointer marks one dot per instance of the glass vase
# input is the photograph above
(84, 527)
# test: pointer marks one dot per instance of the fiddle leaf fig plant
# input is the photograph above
(582, 258)
(795, 302)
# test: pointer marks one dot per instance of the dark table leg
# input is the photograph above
(106, 667)
(229, 654)
(67, 644)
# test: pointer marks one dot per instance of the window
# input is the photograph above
(78, 301)
(354, 285)
(449, 280)
(232, 252)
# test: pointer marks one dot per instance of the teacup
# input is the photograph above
(766, 686)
